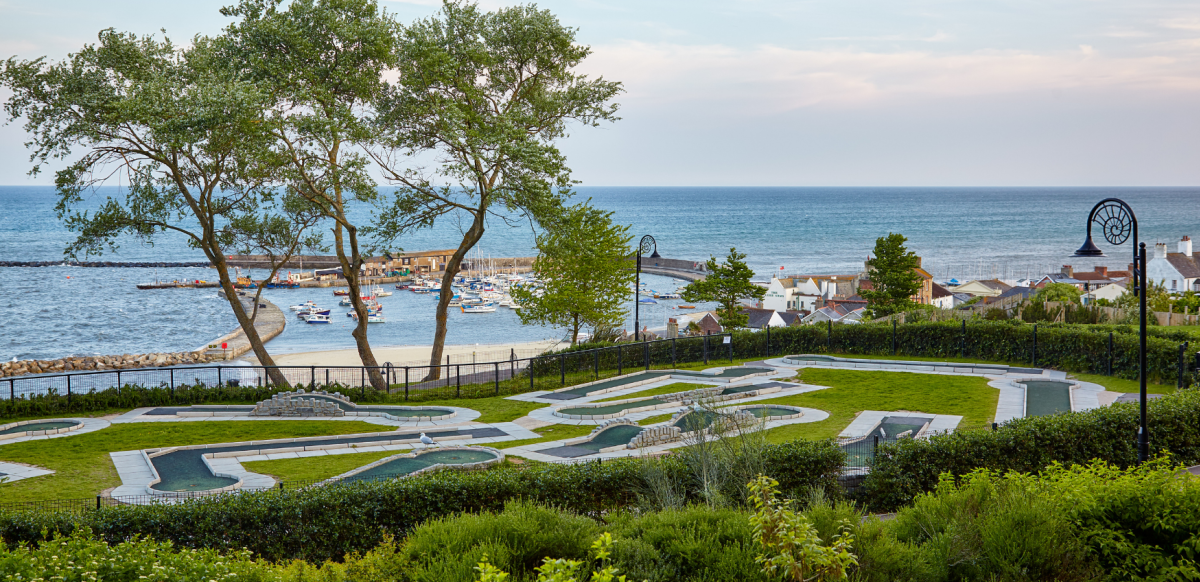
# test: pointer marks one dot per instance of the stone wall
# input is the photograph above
(100, 363)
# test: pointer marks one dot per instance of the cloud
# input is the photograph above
(769, 79)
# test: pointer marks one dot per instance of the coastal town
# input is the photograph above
(606, 291)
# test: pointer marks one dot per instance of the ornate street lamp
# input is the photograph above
(647, 245)
(1118, 222)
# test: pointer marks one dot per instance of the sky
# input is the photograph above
(817, 93)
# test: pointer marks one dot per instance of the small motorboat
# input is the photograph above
(306, 315)
(481, 308)
(303, 306)
(318, 318)
(666, 296)
(648, 300)
(687, 306)
(341, 292)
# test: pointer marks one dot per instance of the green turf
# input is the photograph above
(668, 389)
(655, 419)
(553, 432)
(492, 408)
(1114, 384)
(852, 391)
(316, 468)
(83, 468)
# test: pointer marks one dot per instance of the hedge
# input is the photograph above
(912, 466)
(323, 523)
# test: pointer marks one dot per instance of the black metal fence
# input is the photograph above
(455, 379)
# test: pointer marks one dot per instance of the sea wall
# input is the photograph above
(100, 363)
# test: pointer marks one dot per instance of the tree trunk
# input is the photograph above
(350, 267)
(575, 331)
(470, 238)
(256, 344)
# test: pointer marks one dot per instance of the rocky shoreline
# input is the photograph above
(103, 363)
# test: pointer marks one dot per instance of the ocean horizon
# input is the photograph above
(963, 233)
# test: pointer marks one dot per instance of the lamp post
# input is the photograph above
(647, 245)
(1118, 222)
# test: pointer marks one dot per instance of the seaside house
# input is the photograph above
(834, 313)
(942, 298)
(763, 318)
(1110, 292)
(1178, 271)
(982, 288)
(705, 322)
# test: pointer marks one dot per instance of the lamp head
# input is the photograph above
(655, 255)
(1089, 249)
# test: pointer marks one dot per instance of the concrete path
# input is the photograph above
(13, 472)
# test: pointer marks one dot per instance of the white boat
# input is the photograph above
(303, 306)
(666, 296)
(378, 291)
(318, 318)
(376, 319)
(482, 308)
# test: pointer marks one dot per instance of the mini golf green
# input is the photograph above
(36, 426)
(615, 435)
(614, 383)
(769, 411)
(860, 452)
(1046, 397)
(695, 420)
(613, 408)
(408, 465)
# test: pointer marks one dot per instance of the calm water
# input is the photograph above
(960, 232)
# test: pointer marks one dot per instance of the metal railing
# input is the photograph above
(457, 378)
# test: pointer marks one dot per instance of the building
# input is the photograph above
(942, 298)
(706, 323)
(1110, 292)
(1179, 271)
(982, 288)
(763, 318)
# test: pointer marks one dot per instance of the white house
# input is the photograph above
(1179, 271)
(1109, 292)
(802, 297)
(942, 297)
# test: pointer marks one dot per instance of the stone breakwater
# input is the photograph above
(102, 363)
(98, 264)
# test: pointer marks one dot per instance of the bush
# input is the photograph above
(904, 469)
(326, 523)
(79, 557)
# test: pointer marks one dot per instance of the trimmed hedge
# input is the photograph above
(324, 523)
(911, 466)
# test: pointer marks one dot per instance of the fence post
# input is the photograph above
(118, 381)
(12, 390)
(312, 383)
(768, 340)
(730, 336)
(97, 502)
(705, 348)
(326, 377)
(596, 358)
(672, 352)
(875, 448)
(646, 352)
(1035, 345)
(995, 425)
(562, 370)
(1182, 365)
(172, 370)
(458, 380)
(620, 370)
(1110, 346)
(68, 391)
(496, 365)
(530, 367)
(894, 335)
(406, 383)
(962, 342)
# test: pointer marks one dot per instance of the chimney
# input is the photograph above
(1102, 271)
(1160, 250)
(1067, 270)
(1185, 246)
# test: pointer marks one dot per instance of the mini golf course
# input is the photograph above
(1046, 397)
(425, 461)
(614, 384)
(38, 427)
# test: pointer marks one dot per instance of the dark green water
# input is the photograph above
(39, 426)
(613, 408)
(1046, 397)
(406, 466)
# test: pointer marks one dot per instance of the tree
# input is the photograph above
(582, 262)
(728, 284)
(486, 95)
(321, 62)
(188, 140)
(893, 275)
(1061, 292)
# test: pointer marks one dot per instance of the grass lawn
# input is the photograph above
(1115, 384)
(852, 391)
(655, 419)
(493, 408)
(84, 469)
(668, 389)
(316, 468)
(553, 432)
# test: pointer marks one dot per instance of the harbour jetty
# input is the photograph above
(108, 264)
(269, 323)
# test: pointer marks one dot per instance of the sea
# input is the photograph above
(960, 233)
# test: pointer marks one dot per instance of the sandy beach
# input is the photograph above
(414, 355)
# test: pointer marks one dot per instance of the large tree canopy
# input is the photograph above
(582, 262)
(485, 96)
(894, 279)
(727, 283)
(186, 140)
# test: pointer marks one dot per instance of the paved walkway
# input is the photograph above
(12, 472)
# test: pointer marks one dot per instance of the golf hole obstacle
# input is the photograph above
(44, 427)
(459, 458)
(312, 404)
(619, 408)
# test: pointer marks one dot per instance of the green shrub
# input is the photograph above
(324, 523)
(80, 557)
(692, 543)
